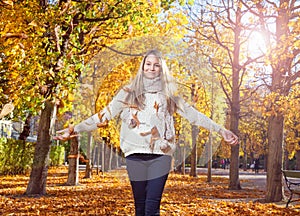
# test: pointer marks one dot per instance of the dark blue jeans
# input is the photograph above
(148, 174)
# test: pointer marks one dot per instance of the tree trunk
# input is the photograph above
(110, 163)
(73, 162)
(98, 157)
(39, 172)
(103, 157)
(281, 87)
(117, 158)
(266, 162)
(26, 129)
(179, 159)
(297, 160)
(106, 158)
(209, 160)
(274, 191)
(234, 182)
(245, 158)
(195, 132)
(88, 169)
(286, 159)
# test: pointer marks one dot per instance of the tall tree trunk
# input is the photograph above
(179, 159)
(117, 158)
(281, 66)
(286, 159)
(266, 162)
(73, 162)
(39, 172)
(274, 177)
(195, 132)
(26, 129)
(98, 151)
(88, 169)
(245, 155)
(234, 182)
(297, 160)
(209, 159)
(105, 155)
(110, 164)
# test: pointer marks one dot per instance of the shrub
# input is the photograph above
(16, 156)
(57, 155)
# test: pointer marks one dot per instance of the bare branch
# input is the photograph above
(251, 93)
(293, 77)
(226, 93)
(272, 3)
(15, 35)
(252, 60)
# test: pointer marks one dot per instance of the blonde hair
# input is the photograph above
(169, 86)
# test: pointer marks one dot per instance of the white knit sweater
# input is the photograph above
(154, 114)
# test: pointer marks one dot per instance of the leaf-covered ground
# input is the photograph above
(110, 194)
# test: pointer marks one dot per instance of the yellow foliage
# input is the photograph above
(45, 49)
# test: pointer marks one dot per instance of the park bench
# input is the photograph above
(292, 180)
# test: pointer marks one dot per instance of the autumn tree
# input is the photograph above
(220, 33)
(198, 86)
(279, 21)
(44, 47)
(253, 127)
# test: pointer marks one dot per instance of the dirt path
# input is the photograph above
(250, 180)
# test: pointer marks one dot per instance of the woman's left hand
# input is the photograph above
(166, 148)
(229, 137)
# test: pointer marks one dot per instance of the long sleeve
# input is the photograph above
(87, 124)
(109, 112)
(197, 118)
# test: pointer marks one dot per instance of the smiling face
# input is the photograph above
(152, 67)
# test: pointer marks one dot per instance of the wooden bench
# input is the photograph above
(292, 180)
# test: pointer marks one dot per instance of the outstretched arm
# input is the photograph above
(89, 124)
(95, 121)
(197, 118)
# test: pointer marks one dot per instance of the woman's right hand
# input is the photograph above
(65, 134)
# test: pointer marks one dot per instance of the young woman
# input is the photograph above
(146, 107)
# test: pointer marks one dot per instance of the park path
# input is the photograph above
(252, 179)
(249, 180)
